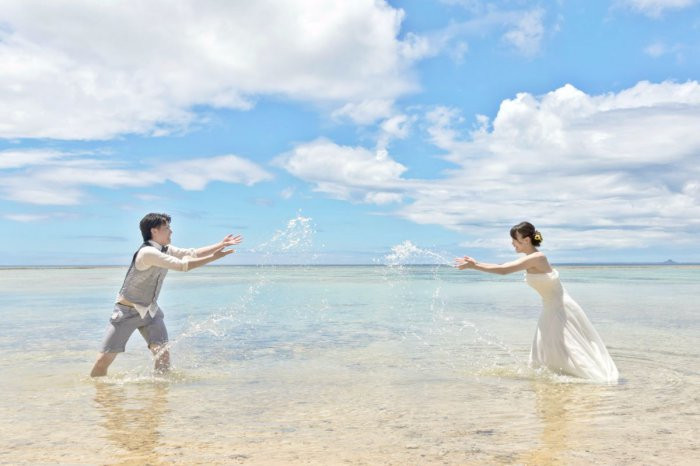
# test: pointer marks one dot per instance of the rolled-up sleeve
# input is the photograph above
(181, 252)
(152, 257)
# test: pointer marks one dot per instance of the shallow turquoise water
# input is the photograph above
(302, 364)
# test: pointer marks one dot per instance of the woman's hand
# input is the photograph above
(465, 262)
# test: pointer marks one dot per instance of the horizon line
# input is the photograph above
(561, 264)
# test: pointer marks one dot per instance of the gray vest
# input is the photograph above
(142, 287)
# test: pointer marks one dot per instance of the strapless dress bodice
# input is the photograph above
(546, 284)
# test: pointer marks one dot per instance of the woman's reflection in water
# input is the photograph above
(131, 418)
(566, 412)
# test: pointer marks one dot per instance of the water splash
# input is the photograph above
(297, 236)
(409, 253)
(213, 324)
(139, 376)
(446, 326)
(295, 240)
(429, 317)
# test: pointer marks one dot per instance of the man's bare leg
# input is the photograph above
(162, 355)
(102, 364)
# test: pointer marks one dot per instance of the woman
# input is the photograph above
(565, 341)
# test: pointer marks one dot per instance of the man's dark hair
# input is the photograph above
(152, 220)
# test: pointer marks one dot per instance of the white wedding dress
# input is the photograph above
(565, 340)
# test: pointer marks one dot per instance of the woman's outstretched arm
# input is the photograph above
(536, 260)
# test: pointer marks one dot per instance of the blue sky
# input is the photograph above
(438, 122)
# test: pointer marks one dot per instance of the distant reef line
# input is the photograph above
(559, 264)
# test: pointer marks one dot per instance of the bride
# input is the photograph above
(565, 341)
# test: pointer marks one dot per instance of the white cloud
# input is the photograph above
(287, 193)
(660, 49)
(468, 4)
(656, 50)
(396, 127)
(56, 178)
(40, 217)
(26, 218)
(365, 112)
(562, 239)
(24, 189)
(197, 173)
(605, 171)
(523, 30)
(380, 198)
(350, 173)
(148, 197)
(93, 70)
(458, 51)
(527, 32)
(656, 8)
(414, 47)
(596, 164)
(22, 158)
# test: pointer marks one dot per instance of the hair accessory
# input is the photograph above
(538, 236)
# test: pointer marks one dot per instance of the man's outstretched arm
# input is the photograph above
(194, 262)
(229, 240)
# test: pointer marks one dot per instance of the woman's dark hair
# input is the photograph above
(152, 220)
(527, 230)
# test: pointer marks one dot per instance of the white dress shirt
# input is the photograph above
(173, 259)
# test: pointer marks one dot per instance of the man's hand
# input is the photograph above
(221, 252)
(231, 240)
(465, 262)
(214, 253)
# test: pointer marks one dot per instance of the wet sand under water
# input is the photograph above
(368, 406)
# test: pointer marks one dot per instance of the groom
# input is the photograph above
(136, 306)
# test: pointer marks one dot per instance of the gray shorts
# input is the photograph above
(124, 321)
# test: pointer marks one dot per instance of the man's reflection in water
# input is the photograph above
(565, 411)
(131, 418)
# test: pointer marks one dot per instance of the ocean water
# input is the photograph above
(396, 364)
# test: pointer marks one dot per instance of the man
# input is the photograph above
(136, 306)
